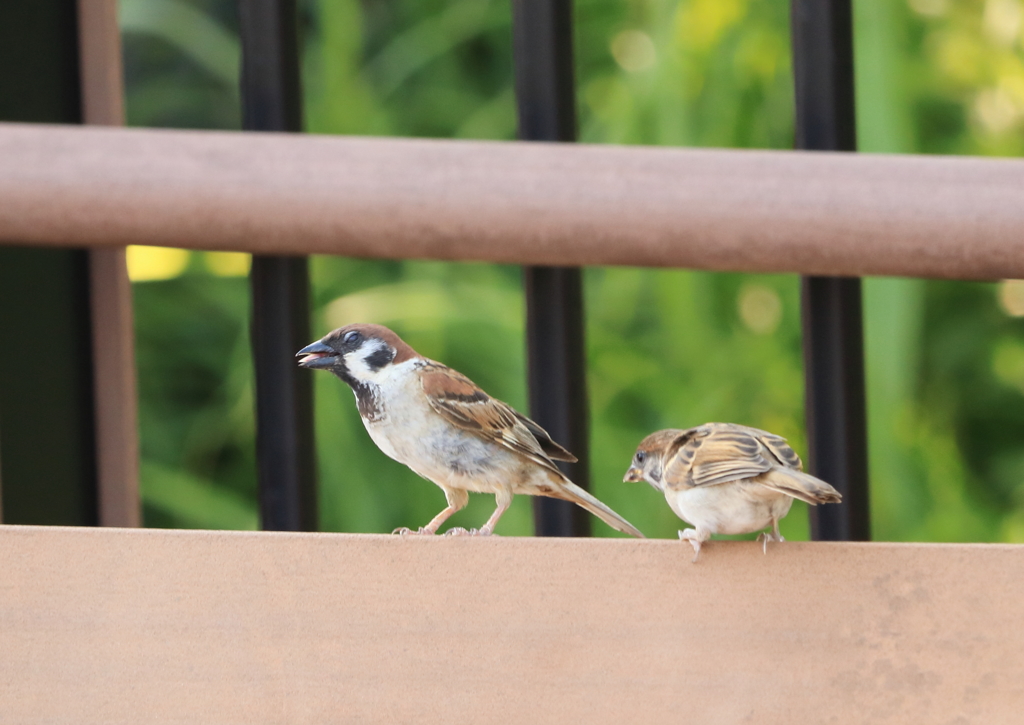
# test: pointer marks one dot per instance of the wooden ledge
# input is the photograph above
(130, 626)
(525, 203)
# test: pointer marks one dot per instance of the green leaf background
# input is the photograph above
(945, 360)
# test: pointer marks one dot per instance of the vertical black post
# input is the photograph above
(47, 408)
(272, 101)
(546, 102)
(832, 324)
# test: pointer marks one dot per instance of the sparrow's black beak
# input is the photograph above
(316, 355)
(633, 475)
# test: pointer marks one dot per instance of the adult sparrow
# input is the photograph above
(726, 479)
(442, 426)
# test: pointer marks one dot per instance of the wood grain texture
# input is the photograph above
(530, 203)
(128, 626)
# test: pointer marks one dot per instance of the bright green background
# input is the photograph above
(676, 348)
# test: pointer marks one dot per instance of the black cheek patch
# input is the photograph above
(381, 356)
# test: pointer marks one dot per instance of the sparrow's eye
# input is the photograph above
(351, 337)
(640, 456)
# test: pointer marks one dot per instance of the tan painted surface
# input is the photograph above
(542, 203)
(132, 626)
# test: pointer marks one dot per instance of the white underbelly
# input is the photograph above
(442, 453)
(409, 431)
(731, 508)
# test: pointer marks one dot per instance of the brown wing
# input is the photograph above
(458, 399)
(780, 449)
(552, 449)
(720, 452)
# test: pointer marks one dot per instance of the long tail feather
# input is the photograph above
(571, 492)
(801, 485)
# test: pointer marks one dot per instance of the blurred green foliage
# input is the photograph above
(945, 360)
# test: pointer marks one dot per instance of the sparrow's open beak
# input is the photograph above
(633, 475)
(317, 355)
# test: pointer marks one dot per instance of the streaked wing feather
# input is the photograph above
(712, 473)
(458, 400)
(782, 451)
(776, 445)
(717, 453)
(552, 449)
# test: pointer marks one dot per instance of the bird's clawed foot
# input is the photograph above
(695, 540)
(765, 536)
(406, 531)
(459, 531)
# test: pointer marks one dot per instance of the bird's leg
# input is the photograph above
(457, 499)
(775, 535)
(504, 500)
(696, 538)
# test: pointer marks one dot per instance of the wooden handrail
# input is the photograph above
(757, 211)
(128, 626)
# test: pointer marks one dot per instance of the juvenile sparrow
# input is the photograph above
(726, 479)
(442, 426)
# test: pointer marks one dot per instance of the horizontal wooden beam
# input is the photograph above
(124, 626)
(545, 204)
